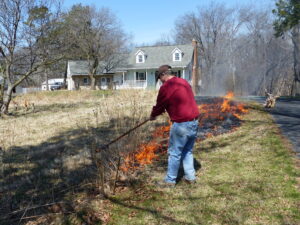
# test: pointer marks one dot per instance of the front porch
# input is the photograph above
(132, 84)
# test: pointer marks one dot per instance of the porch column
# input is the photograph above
(146, 79)
(123, 78)
(183, 74)
(71, 84)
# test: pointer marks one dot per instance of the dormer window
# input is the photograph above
(140, 56)
(177, 54)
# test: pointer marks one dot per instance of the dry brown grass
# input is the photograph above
(59, 112)
(48, 150)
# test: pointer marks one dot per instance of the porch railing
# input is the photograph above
(136, 84)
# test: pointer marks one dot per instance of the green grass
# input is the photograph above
(247, 177)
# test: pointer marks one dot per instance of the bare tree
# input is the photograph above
(165, 39)
(19, 44)
(97, 35)
(209, 26)
(263, 58)
(238, 51)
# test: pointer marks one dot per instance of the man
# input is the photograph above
(176, 97)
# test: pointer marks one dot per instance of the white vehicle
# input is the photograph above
(53, 84)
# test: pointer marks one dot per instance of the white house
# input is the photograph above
(139, 71)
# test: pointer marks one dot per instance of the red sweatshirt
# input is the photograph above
(176, 97)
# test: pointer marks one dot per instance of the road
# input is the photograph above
(286, 114)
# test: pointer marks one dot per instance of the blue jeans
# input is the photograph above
(181, 143)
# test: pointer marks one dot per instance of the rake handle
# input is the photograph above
(132, 129)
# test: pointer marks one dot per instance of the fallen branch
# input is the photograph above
(33, 207)
(37, 216)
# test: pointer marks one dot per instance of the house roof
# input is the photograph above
(159, 55)
(81, 67)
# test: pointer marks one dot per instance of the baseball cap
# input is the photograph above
(164, 68)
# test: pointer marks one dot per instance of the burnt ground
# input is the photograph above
(286, 114)
(212, 121)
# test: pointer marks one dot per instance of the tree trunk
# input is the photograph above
(1, 93)
(6, 101)
(93, 72)
(296, 43)
(233, 79)
(46, 76)
(4, 108)
(65, 76)
(93, 82)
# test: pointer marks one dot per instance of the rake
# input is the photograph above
(118, 138)
(103, 147)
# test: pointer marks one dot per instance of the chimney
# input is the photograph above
(195, 71)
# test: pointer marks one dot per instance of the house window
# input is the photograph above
(140, 76)
(86, 80)
(105, 80)
(177, 54)
(140, 58)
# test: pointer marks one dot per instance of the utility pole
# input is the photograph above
(195, 72)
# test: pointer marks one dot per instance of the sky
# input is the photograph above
(147, 21)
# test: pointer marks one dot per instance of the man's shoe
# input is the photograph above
(163, 184)
(190, 181)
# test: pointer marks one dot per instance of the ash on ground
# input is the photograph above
(218, 116)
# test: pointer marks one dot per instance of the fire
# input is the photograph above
(219, 115)
(212, 116)
(229, 107)
(229, 95)
(242, 109)
(162, 131)
(225, 106)
(146, 153)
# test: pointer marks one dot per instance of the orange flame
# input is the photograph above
(219, 110)
(146, 153)
(225, 107)
(229, 95)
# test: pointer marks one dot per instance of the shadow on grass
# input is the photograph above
(34, 175)
(155, 213)
(53, 171)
